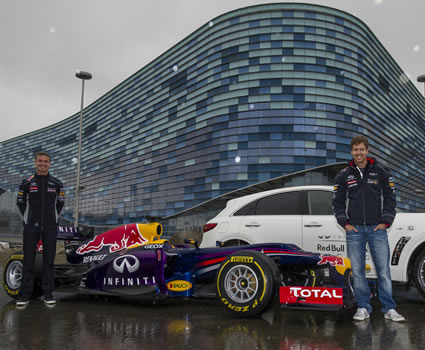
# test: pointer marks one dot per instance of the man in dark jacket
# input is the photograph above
(364, 205)
(40, 200)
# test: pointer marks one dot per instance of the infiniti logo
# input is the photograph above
(129, 261)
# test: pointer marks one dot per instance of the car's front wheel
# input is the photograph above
(12, 276)
(247, 281)
(419, 273)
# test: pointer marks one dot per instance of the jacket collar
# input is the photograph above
(370, 161)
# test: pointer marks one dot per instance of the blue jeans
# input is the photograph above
(380, 251)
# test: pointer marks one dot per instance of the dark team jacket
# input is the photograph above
(40, 200)
(364, 193)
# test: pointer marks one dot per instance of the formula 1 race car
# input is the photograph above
(134, 260)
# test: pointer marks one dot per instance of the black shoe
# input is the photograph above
(22, 303)
(49, 300)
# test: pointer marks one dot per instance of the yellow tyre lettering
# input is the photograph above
(255, 303)
(245, 308)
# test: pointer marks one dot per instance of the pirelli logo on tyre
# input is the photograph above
(242, 259)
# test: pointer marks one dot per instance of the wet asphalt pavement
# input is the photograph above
(82, 322)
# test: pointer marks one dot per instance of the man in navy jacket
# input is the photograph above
(364, 205)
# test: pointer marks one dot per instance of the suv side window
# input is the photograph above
(319, 203)
(248, 209)
(279, 204)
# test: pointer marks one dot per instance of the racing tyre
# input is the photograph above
(419, 273)
(12, 275)
(247, 282)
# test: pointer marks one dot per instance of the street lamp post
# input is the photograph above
(83, 76)
(421, 79)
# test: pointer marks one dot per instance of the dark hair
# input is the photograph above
(358, 140)
(42, 154)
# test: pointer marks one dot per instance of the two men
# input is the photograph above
(40, 200)
(364, 205)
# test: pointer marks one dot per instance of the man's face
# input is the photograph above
(42, 165)
(359, 153)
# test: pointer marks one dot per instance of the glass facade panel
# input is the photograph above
(263, 92)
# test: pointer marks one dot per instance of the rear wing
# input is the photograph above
(75, 233)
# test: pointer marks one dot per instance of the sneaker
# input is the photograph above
(49, 300)
(361, 314)
(394, 316)
(22, 303)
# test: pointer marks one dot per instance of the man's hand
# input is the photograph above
(380, 227)
(349, 227)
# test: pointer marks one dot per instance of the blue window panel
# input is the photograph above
(299, 97)
(287, 52)
(234, 20)
(339, 57)
(276, 44)
(310, 30)
(254, 61)
(253, 91)
(255, 46)
(276, 21)
(309, 15)
(243, 100)
(243, 70)
(264, 90)
(330, 47)
(330, 32)
(321, 60)
(347, 30)
(339, 20)
(253, 24)
(288, 14)
(347, 52)
(265, 67)
(299, 89)
(288, 29)
(299, 36)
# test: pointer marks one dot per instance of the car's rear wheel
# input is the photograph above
(419, 273)
(247, 282)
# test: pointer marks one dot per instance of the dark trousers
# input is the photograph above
(31, 238)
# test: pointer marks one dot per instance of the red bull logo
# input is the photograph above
(331, 260)
(117, 239)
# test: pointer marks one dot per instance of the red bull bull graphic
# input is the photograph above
(117, 239)
(332, 260)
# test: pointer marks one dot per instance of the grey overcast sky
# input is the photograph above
(43, 42)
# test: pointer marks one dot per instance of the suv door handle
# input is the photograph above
(313, 225)
(252, 224)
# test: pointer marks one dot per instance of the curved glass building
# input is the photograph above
(254, 94)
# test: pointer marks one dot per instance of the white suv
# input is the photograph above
(304, 216)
